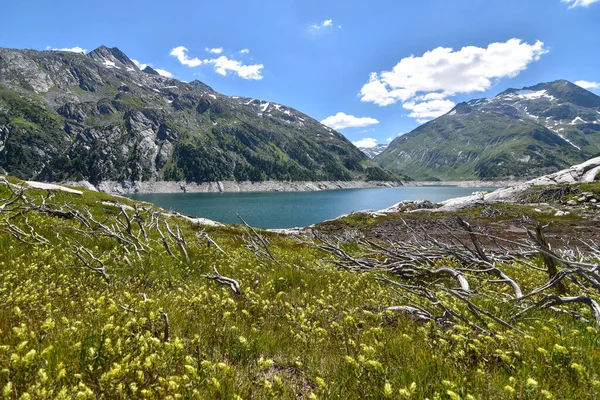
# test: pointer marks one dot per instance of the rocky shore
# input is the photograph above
(115, 187)
(464, 183)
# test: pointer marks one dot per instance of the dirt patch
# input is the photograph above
(511, 224)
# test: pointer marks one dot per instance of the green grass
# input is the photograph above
(302, 328)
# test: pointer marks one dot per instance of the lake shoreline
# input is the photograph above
(166, 187)
(170, 187)
(466, 184)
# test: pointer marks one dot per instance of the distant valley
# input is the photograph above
(373, 152)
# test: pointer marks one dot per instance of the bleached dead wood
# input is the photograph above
(257, 242)
(79, 252)
(232, 283)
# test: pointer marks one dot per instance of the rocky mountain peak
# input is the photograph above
(201, 85)
(112, 58)
(461, 108)
(97, 117)
(518, 133)
(150, 70)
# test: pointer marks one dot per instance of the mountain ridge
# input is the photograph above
(518, 134)
(98, 117)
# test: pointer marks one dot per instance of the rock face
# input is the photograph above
(588, 171)
(517, 134)
(97, 117)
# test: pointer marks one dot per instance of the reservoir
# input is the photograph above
(296, 209)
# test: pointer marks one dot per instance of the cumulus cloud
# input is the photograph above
(322, 27)
(139, 64)
(423, 83)
(389, 139)
(342, 121)
(588, 85)
(163, 72)
(224, 65)
(428, 109)
(580, 3)
(181, 54)
(366, 143)
(75, 49)
(244, 51)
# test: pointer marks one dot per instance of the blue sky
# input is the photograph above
(371, 69)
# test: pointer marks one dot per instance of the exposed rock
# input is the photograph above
(409, 205)
(129, 187)
(51, 186)
(576, 174)
(97, 117)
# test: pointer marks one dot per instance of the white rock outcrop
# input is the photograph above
(581, 173)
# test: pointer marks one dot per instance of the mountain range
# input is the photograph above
(97, 117)
(520, 133)
(373, 151)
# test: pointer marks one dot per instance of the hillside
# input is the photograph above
(517, 134)
(98, 117)
(105, 297)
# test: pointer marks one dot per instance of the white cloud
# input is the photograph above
(389, 139)
(423, 83)
(244, 51)
(224, 65)
(180, 53)
(162, 72)
(75, 49)
(580, 3)
(342, 121)
(139, 64)
(366, 143)
(216, 50)
(588, 85)
(322, 27)
(428, 109)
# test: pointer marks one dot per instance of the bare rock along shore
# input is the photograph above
(114, 187)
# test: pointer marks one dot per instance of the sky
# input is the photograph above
(372, 70)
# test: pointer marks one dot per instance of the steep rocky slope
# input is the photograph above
(519, 133)
(98, 117)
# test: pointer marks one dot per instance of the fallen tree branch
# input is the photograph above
(232, 283)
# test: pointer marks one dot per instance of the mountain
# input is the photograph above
(97, 117)
(372, 152)
(519, 133)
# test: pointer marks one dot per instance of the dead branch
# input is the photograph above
(101, 270)
(204, 235)
(232, 283)
(179, 239)
(549, 261)
(165, 317)
(260, 238)
(551, 300)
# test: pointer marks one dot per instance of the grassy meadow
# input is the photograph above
(151, 325)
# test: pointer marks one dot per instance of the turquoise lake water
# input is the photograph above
(295, 209)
